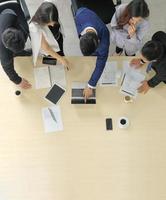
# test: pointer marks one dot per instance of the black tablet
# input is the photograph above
(55, 94)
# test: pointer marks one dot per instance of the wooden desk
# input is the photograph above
(84, 161)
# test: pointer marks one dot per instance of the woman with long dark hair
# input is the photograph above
(46, 36)
(153, 54)
(129, 26)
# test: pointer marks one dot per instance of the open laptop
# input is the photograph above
(77, 94)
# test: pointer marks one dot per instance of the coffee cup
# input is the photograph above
(123, 122)
(128, 99)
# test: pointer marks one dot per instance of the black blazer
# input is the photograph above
(160, 65)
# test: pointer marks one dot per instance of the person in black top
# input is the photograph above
(154, 53)
(14, 32)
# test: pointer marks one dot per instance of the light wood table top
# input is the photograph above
(84, 161)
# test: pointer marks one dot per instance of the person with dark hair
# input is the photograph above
(129, 26)
(45, 31)
(89, 43)
(94, 41)
(14, 32)
(154, 54)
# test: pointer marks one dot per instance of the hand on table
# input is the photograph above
(88, 92)
(136, 63)
(144, 87)
(25, 84)
(65, 62)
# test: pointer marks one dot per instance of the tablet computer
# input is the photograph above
(55, 94)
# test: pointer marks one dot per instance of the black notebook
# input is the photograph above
(55, 94)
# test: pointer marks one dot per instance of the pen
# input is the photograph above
(128, 92)
(52, 115)
(49, 71)
(123, 79)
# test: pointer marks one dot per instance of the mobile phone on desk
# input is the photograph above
(109, 125)
(49, 60)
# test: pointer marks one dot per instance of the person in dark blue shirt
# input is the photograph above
(94, 41)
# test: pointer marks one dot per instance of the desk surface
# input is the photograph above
(84, 161)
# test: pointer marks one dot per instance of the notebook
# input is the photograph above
(131, 80)
(47, 76)
(110, 74)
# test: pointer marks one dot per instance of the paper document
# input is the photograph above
(131, 81)
(110, 74)
(127, 67)
(46, 77)
(52, 119)
(42, 78)
(58, 75)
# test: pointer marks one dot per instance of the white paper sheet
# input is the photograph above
(109, 76)
(58, 75)
(46, 77)
(42, 79)
(131, 81)
(50, 125)
(128, 68)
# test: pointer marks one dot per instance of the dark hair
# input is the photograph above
(13, 39)
(88, 43)
(46, 13)
(160, 36)
(152, 50)
(136, 8)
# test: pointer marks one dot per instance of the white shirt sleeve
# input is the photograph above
(36, 37)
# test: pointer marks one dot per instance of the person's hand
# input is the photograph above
(136, 63)
(25, 84)
(144, 87)
(133, 22)
(65, 63)
(131, 30)
(88, 92)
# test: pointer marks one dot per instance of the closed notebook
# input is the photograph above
(55, 94)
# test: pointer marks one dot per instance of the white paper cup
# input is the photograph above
(123, 123)
(128, 99)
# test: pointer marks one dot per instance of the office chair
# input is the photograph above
(103, 8)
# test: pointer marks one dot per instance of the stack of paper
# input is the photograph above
(110, 74)
(52, 119)
(46, 77)
(131, 80)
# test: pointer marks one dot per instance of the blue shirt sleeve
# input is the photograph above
(102, 55)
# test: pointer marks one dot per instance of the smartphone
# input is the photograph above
(49, 61)
(109, 124)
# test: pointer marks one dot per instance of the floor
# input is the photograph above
(71, 43)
